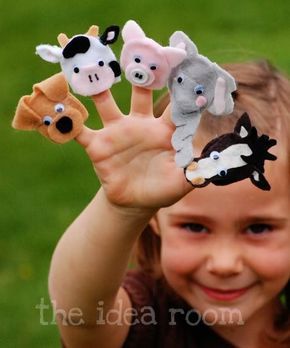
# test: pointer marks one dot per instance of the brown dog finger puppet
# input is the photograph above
(51, 110)
(195, 85)
(233, 157)
(87, 61)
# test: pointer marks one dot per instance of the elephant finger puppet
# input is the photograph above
(87, 61)
(233, 157)
(146, 63)
(51, 110)
(195, 85)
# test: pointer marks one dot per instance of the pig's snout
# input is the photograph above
(140, 77)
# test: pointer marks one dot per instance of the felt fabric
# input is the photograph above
(87, 61)
(145, 62)
(51, 110)
(195, 85)
(233, 157)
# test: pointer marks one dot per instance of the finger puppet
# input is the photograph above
(233, 157)
(146, 63)
(87, 61)
(51, 110)
(195, 85)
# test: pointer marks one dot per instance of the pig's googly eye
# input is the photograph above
(101, 63)
(47, 120)
(59, 108)
(137, 59)
(76, 70)
(222, 172)
(199, 89)
(153, 67)
(215, 155)
(179, 79)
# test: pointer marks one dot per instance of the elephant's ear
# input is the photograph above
(180, 40)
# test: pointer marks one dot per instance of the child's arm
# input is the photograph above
(134, 160)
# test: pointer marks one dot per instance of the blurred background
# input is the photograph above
(44, 186)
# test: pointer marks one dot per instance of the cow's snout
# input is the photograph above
(64, 125)
(139, 76)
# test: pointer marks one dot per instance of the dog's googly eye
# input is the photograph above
(215, 155)
(59, 108)
(222, 172)
(47, 120)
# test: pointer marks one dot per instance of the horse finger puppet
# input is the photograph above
(233, 157)
(145, 62)
(51, 110)
(195, 85)
(87, 61)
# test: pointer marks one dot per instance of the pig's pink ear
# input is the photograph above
(174, 55)
(132, 31)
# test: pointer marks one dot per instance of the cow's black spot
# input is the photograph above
(79, 44)
(64, 125)
(115, 66)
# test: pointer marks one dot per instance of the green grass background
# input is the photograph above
(44, 186)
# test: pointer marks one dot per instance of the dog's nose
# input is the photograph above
(64, 125)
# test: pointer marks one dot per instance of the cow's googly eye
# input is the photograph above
(137, 59)
(101, 63)
(199, 89)
(222, 172)
(215, 155)
(153, 67)
(47, 120)
(179, 79)
(59, 108)
(76, 70)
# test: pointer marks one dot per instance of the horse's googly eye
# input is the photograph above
(47, 120)
(76, 70)
(222, 172)
(215, 155)
(179, 79)
(59, 108)
(199, 89)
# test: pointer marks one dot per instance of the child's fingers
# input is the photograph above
(85, 137)
(166, 116)
(107, 107)
(141, 101)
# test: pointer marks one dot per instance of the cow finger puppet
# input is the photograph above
(145, 62)
(233, 157)
(87, 61)
(51, 110)
(195, 85)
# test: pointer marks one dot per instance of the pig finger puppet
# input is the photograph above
(233, 157)
(146, 63)
(51, 110)
(195, 85)
(87, 61)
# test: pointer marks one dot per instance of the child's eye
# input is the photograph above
(194, 227)
(257, 229)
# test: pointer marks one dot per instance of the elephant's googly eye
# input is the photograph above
(137, 59)
(47, 120)
(59, 108)
(179, 79)
(76, 70)
(199, 89)
(101, 63)
(222, 172)
(153, 67)
(215, 155)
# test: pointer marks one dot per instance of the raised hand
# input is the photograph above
(132, 155)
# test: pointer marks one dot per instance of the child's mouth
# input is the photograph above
(224, 295)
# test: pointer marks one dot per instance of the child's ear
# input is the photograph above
(155, 225)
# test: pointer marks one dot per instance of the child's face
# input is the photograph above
(229, 247)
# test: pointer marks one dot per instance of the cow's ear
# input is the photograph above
(25, 117)
(110, 35)
(52, 54)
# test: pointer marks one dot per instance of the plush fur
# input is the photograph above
(233, 157)
(51, 110)
(195, 85)
(87, 61)
(145, 62)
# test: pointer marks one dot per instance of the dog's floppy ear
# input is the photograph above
(25, 117)
(55, 88)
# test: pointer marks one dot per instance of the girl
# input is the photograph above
(213, 262)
